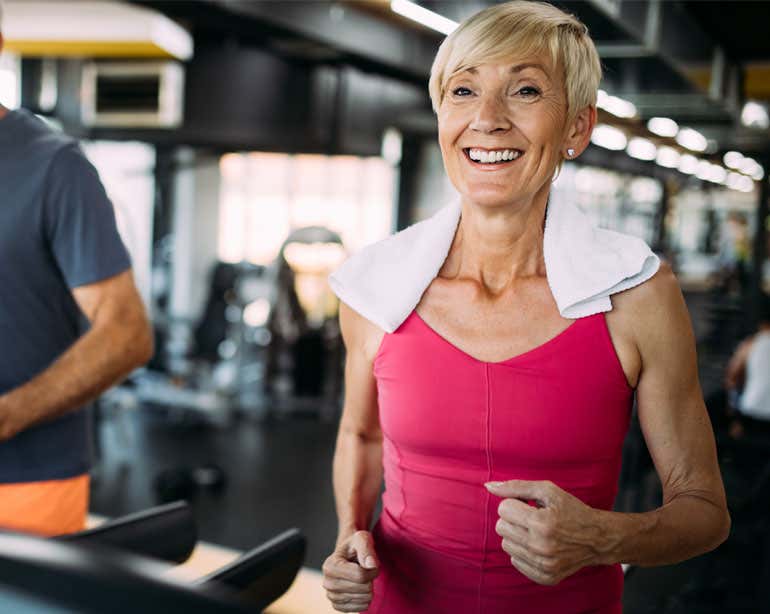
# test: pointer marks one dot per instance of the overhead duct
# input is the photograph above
(132, 94)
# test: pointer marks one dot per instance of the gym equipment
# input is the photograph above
(166, 533)
(99, 571)
(265, 573)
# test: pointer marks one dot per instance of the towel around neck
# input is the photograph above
(584, 265)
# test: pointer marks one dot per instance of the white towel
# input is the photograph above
(584, 265)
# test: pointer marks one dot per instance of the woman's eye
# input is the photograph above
(529, 91)
(461, 91)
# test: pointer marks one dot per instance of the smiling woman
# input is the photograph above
(537, 69)
(493, 353)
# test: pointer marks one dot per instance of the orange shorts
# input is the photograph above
(45, 508)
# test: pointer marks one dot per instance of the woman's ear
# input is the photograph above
(579, 132)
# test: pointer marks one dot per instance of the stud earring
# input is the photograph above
(570, 152)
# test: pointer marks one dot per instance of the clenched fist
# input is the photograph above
(350, 571)
(553, 540)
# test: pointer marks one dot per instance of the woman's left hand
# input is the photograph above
(549, 542)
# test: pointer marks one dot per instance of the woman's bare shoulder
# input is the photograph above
(651, 295)
(654, 310)
(359, 334)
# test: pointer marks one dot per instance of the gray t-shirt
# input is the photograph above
(57, 232)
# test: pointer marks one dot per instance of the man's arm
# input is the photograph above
(120, 339)
(736, 368)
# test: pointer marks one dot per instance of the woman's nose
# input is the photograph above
(491, 114)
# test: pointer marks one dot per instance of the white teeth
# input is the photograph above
(486, 157)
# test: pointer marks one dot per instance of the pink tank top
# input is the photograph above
(451, 423)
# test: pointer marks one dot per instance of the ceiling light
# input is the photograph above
(748, 166)
(688, 164)
(601, 98)
(691, 139)
(668, 157)
(662, 126)
(703, 170)
(759, 173)
(745, 184)
(717, 174)
(423, 16)
(733, 180)
(732, 159)
(641, 149)
(615, 105)
(754, 115)
(608, 137)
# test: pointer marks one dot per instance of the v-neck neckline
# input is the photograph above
(518, 357)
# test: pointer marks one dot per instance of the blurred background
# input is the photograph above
(250, 146)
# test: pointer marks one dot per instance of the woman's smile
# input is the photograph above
(494, 160)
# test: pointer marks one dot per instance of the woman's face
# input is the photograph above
(501, 130)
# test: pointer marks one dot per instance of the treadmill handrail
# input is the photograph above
(167, 533)
(96, 579)
(263, 574)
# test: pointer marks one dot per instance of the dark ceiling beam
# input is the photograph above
(610, 50)
(685, 107)
(666, 31)
(349, 30)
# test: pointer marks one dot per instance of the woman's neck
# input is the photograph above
(496, 246)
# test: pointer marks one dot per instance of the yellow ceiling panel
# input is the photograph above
(92, 49)
(757, 83)
(92, 28)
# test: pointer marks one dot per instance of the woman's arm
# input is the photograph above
(562, 534)
(694, 517)
(350, 570)
(357, 473)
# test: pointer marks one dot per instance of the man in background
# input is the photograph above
(747, 380)
(71, 322)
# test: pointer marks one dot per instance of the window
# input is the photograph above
(264, 196)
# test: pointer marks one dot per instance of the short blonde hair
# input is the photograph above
(516, 29)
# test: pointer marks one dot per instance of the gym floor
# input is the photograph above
(279, 476)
